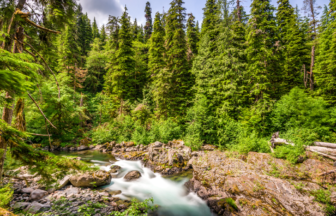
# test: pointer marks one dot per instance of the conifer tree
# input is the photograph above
(148, 26)
(141, 35)
(156, 50)
(261, 61)
(135, 29)
(325, 74)
(174, 82)
(95, 30)
(89, 34)
(123, 81)
(103, 36)
(292, 48)
(192, 35)
(211, 18)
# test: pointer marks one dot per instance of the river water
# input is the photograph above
(169, 193)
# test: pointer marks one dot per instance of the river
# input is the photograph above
(168, 192)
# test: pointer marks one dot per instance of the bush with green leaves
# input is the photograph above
(6, 194)
(300, 137)
(138, 208)
(298, 109)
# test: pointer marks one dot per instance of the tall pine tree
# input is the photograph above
(192, 36)
(149, 23)
(95, 30)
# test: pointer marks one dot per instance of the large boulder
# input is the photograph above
(82, 148)
(36, 207)
(38, 194)
(133, 175)
(98, 178)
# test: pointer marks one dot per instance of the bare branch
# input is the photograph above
(41, 110)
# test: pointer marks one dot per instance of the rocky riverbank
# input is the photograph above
(232, 184)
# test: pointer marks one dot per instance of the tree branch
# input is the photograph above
(41, 111)
(44, 135)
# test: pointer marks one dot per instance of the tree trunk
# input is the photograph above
(311, 68)
(328, 151)
(328, 145)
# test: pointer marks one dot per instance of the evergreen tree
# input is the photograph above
(141, 35)
(192, 36)
(156, 50)
(89, 35)
(95, 30)
(103, 36)
(174, 81)
(123, 80)
(149, 26)
(261, 61)
(211, 18)
(292, 48)
(325, 73)
(135, 29)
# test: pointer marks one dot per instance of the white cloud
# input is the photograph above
(101, 9)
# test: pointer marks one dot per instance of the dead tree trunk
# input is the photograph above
(311, 68)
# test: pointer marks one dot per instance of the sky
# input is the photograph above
(101, 9)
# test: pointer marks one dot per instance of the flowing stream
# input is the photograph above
(169, 193)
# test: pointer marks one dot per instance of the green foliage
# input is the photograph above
(6, 194)
(89, 208)
(232, 203)
(323, 196)
(251, 142)
(300, 110)
(138, 208)
(148, 26)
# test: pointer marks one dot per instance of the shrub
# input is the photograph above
(251, 143)
(6, 194)
(137, 208)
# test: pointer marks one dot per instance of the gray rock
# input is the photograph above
(38, 194)
(20, 205)
(98, 178)
(133, 175)
(113, 193)
(63, 182)
(27, 190)
(36, 207)
(157, 144)
(335, 164)
(82, 148)
(71, 191)
(73, 149)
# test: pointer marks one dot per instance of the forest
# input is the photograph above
(231, 81)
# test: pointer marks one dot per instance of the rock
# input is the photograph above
(300, 159)
(37, 194)
(157, 144)
(180, 158)
(132, 175)
(66, 148)
(20, 205)
(36, 207)
(82, 148)
(27, 190)
(335, 164)
(208, 147)
(136, 148)
(73, 149)
(129, 144)
(113, 193)
(115, 168)
(96, 179)
(71, 191)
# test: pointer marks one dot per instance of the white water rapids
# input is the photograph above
(171, 196)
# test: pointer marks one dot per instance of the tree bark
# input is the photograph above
(324, 150)
(328, 145)
(320, 153)
(311, 68)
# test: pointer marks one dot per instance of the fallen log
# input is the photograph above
(320, 153)
(324, 144)
(44, 135)
(324, 150)
(278, 141)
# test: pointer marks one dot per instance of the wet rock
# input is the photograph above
(66, 148)
(38, 194)
(73, 149)
(27, 190)
(113, 193)
(115, 168)
(20, 205)
(82, 148)
(132, 175)
(96, 179)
